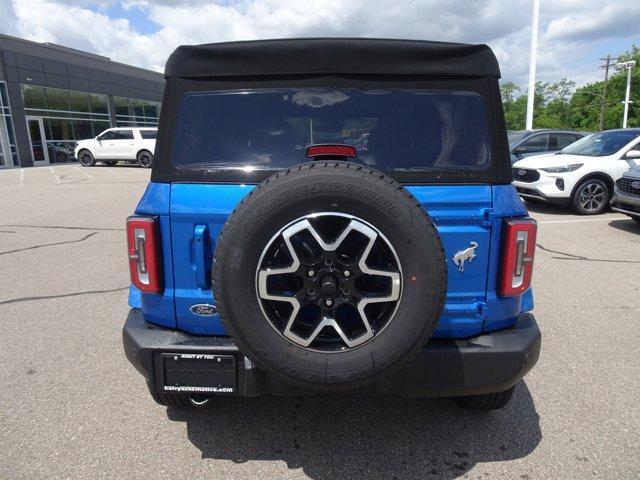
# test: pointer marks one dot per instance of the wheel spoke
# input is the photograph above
(263, 276)
(331, 247)
(329, 317)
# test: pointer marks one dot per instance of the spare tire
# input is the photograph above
(329, 275)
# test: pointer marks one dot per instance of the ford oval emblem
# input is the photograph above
(635, 184)
(204, 309)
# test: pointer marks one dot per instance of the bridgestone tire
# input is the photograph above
(335, 187)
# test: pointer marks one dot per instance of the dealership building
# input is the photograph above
(52, 96)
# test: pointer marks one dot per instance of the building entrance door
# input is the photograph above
(38, 141)
(5, 149)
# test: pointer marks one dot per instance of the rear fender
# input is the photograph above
(158, 309)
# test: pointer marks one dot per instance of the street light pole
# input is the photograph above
(628, 65)
(532, 64)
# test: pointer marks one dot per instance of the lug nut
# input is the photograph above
(346, 273)
(328, 302)
(311, 273)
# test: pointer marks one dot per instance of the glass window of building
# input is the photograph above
(67, 116)
(131, 112)
(8, 151)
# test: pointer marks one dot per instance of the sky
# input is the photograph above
(574, 34)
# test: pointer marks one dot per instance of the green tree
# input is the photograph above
(554, 111)
(558, 105)
(513, 110)
(507, 92)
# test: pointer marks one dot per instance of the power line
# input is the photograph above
(609, 60)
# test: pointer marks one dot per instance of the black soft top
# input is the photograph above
(332, 56)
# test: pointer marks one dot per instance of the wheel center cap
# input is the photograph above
(329, 285)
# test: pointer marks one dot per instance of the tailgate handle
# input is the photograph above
(200, 233)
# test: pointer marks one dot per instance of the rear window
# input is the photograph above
(392, 130)
(148, 134)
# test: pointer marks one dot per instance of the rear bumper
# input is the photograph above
(484, 364)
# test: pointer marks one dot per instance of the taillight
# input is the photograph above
(331, 150)
(518, 247)
(144, 253)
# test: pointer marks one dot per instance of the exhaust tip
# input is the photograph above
(199, 401)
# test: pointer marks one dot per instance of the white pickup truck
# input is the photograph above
(129, 144)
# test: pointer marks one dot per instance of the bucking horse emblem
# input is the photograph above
(468, 254)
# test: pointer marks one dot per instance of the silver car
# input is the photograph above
(525, 143)
(626, 196)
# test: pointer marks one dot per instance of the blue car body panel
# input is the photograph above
(193, 215)
(158, 309)
(194, 206)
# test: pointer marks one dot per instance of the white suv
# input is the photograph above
(130, 144)
(582, 174)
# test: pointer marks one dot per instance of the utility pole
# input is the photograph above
(608, 61)
(628, 65)
(532, 64)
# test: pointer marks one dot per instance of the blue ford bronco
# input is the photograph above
(331, 215)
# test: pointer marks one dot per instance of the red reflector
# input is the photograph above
(518, 247)
(144, 254)
(331, 151)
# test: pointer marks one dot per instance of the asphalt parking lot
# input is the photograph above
(71, 406)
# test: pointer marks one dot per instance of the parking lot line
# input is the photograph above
(607, 219)
(83, 172)
(55, 176)
(112, 173)
(21, 176)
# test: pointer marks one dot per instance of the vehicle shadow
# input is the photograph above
(351, 437)
(549, 209)
(626, 225)
(119, 165)
(557, 210)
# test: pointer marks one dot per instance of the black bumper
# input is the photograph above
(535, 194)
(484, 364)
(623, 202)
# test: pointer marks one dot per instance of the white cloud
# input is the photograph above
(610, 20)
(570, 29)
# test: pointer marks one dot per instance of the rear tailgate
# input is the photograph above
(461, 213)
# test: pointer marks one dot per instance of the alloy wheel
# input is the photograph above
(329, 281)
(86, 159)
(145, 159)
(592, 196)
